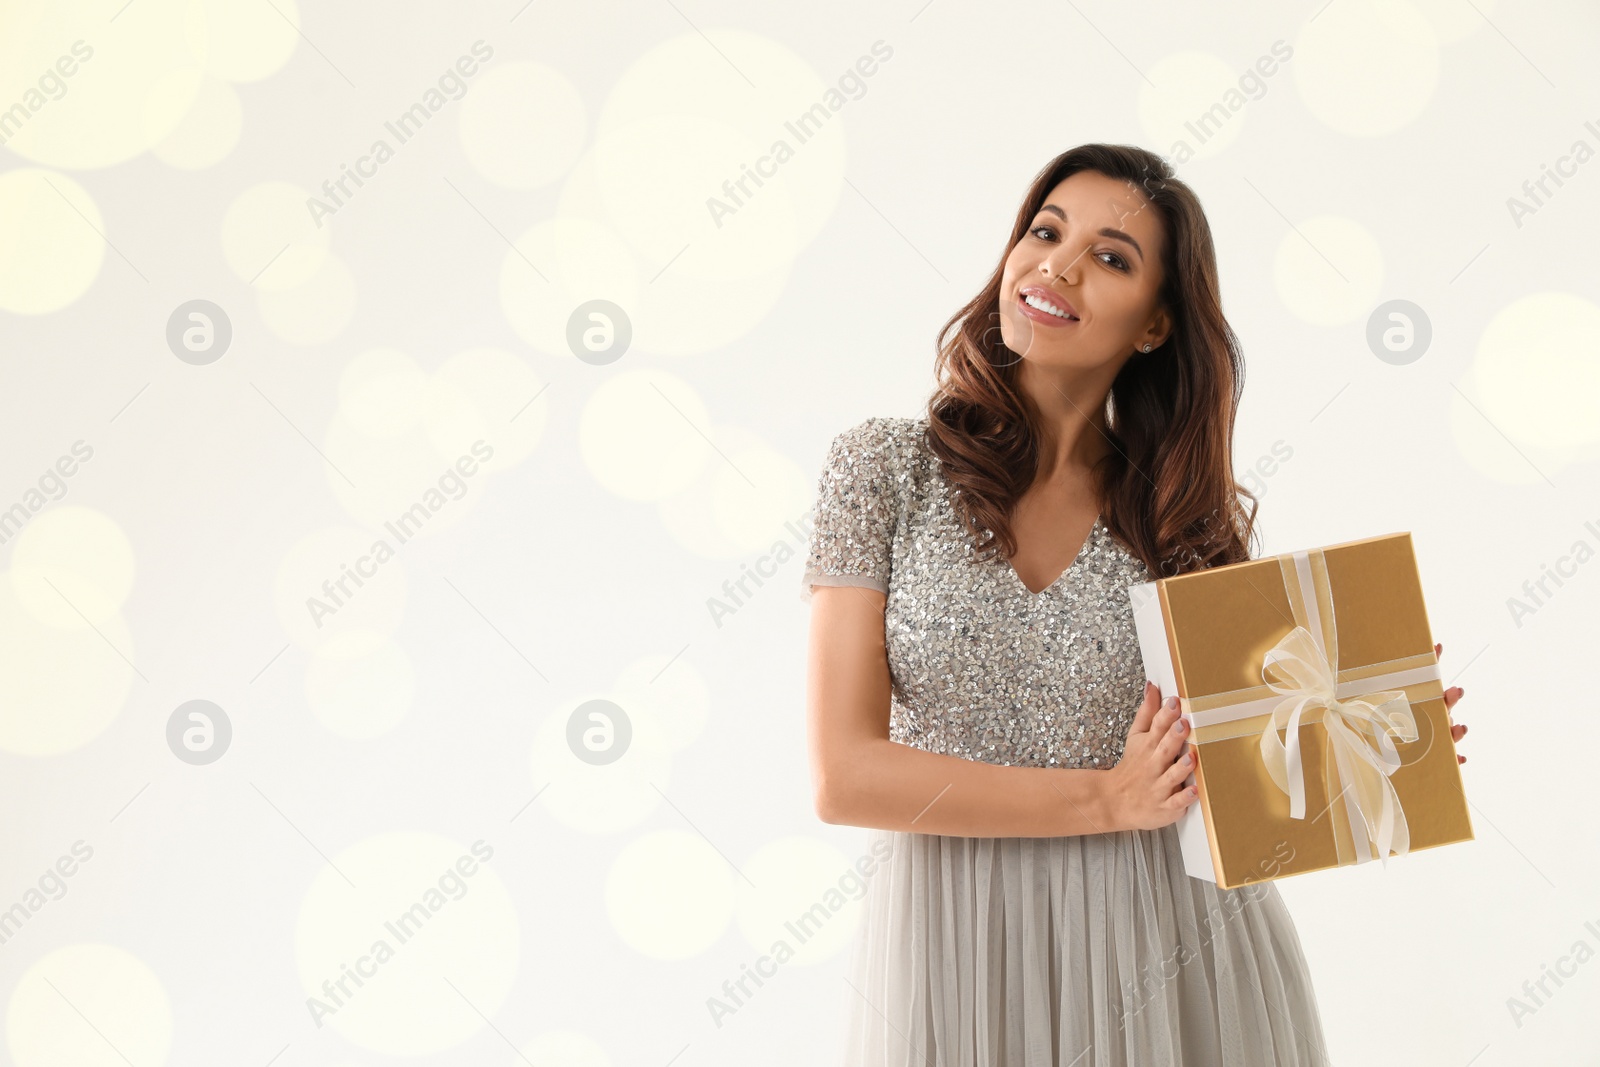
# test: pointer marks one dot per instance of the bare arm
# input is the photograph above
(862, 778)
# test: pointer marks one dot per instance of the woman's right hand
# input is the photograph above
(1147, 790)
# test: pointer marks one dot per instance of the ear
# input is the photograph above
(1160, 329)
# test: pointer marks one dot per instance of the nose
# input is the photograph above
(1061, 264)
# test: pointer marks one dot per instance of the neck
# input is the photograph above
(1070, 407)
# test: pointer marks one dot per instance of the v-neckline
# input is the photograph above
(1070, 568)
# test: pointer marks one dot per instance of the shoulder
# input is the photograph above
(885, 441)
(886, 458)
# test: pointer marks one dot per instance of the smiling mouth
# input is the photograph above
(1045, 307)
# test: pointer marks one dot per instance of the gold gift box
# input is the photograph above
(1245, 645)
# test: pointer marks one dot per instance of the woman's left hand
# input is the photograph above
(1451, 695)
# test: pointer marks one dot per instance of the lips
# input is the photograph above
(1049, 296)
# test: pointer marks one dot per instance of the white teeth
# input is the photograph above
(1033, 301)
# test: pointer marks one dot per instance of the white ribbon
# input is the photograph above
(1359, 730)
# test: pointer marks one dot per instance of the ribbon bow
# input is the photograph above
(1359, 730)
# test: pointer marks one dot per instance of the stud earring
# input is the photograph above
(1146, 348)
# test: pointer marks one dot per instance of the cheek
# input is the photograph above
(1115, 308)
(1125, 311)
(1016, 267)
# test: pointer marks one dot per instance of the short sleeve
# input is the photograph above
(857, 505)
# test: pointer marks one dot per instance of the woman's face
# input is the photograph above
(1093, 250)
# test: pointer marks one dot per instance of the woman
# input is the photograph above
(976, 694)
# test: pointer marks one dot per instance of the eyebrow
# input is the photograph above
(1105, 231)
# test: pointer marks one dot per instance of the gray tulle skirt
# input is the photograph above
(1091, 951)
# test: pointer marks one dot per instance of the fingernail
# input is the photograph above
(1170, 703)
(1188, 760)
(1177, 727)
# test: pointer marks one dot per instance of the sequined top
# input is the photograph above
(980, 667)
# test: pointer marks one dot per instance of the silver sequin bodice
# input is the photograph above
(981, 668)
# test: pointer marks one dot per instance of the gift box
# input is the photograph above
(1315, 707)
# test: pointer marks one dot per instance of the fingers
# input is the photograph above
(1182, 798)
(1174, 775)
(1174, 731)
(1147, 710)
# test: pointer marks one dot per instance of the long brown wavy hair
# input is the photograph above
(1166, 487)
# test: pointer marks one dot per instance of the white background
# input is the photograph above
(429, 311)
